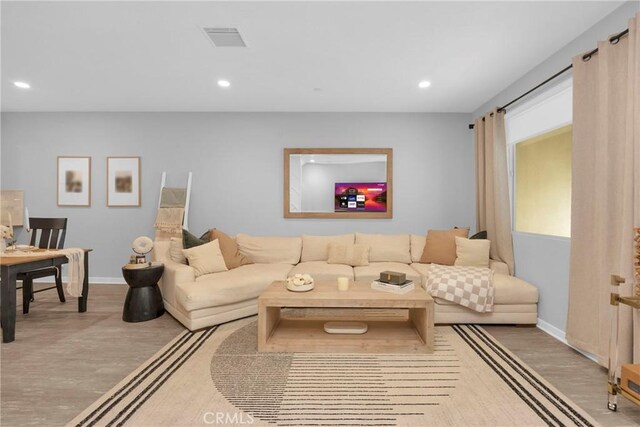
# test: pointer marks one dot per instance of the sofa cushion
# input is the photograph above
(206, 258)
(417, 246)
(351, 254)
(321, 270)
(507, 289)
(507, 292)
(513, 290)
(472, 253)
(240, 284)
(386, 247)
(161, 250)
(421, 268)
(270, 250)
(175, 250)
(316, 248)
(499, 267)
(440, 246)
(372, 271)
(230, 251)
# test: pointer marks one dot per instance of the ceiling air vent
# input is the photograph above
(225, 37)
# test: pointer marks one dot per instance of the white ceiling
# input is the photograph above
(300, 56)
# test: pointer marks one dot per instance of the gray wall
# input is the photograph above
(237, 165)
(542, 260)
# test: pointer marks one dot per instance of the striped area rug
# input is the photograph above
(217, 377)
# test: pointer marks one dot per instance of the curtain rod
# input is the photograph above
(587, 56)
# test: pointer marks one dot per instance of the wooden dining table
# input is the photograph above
(10, 266)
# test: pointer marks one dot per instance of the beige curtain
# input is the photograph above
(605, 202)
(493, 212)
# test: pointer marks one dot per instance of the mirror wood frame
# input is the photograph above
(295, 151)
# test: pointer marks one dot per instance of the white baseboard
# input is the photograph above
(560, 335)
(92, 279)
(557, 333)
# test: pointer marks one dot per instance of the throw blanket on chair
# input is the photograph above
(75, 270)
(471, 287)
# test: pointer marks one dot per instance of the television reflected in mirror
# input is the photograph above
(360, 197)
(338, 183)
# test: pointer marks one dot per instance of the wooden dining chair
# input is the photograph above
(49, 233)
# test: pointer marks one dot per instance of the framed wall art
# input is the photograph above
(74, 181)
(123, 181)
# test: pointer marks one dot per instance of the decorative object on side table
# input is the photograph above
(141, 246)
(299, 283)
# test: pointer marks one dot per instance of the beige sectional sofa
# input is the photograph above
(198, 302)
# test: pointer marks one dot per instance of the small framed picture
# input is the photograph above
(74, 181)
(123, 181)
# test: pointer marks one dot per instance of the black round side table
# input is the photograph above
(144, 300)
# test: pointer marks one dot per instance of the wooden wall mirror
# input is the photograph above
(338, 183)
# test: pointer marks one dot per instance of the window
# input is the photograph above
(543, 183)
(539, 136)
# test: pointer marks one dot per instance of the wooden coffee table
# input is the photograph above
(411, 333)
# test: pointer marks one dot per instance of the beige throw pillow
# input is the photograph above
(440, 247)
(206, 258)
(316, 248)
(417, 246)
(472, 253)
(386, 247)
(353, 255)
(230, 251)
(175, 250)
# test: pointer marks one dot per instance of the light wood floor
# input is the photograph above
(62, 361)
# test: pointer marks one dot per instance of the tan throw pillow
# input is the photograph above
(472, 253)
(230, 251)
(175, 250)
(440, 247)
(353, 255)
(205, 258)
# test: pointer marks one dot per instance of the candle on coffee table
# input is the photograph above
(343, 283)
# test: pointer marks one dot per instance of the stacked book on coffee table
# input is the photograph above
(391, 281)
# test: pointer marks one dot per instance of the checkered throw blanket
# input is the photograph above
(470, 287)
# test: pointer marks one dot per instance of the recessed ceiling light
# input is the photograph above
(22, 85)
(424, 84)
(224, 83)
(312, 161)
